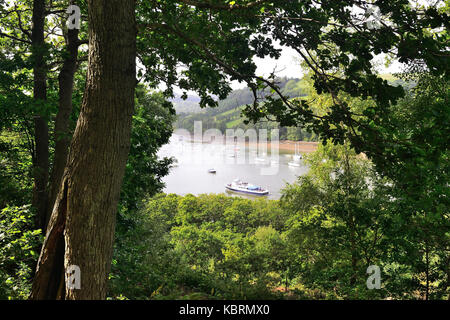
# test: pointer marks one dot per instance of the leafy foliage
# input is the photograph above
(336, 222)
(19, 248)
(200, 244)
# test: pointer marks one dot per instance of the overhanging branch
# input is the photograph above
(229, 7)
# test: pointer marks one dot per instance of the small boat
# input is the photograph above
(294, 164)
(244, 187)
(211, 170)
(262, 158)
(297, 156)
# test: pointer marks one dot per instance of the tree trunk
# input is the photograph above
(83, 218)
(427, 271)
(351, 223)
(62, 135)
(447, 286)
(41, 156)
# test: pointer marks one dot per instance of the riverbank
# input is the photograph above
(283, 145)
(291, 146)
(302, 146)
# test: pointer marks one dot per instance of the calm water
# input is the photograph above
(268, 170)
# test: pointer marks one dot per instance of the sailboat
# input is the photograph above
(261, 158)
(296, 157)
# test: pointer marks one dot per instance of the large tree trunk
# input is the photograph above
(81, 228)
(62, 134)
(41, 156)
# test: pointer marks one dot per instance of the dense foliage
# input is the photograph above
(19, 248)
(210, 246)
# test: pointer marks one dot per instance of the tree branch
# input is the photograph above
(207, 5)
(14, 38)
(19, 17)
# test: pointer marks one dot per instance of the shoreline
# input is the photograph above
(283, 145)
(288, 145)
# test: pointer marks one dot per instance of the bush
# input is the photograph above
(18, 252)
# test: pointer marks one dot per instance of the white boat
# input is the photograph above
(262, 158)
(212, 170)
(297, 156)
(294, 164)
(244, 187)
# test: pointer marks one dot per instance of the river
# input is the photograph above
(190, 175)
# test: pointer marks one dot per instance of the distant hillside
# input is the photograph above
(291, 87)
(190, 105)
(228, 114)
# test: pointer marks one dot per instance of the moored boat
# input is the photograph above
(294, 164)
(244, 187)
(297, 156)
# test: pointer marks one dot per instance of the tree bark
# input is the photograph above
(351, 223)
(41, 156)
(62, 134)
(427, 271)
(83, 218)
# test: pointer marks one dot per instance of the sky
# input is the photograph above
(288, 65)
